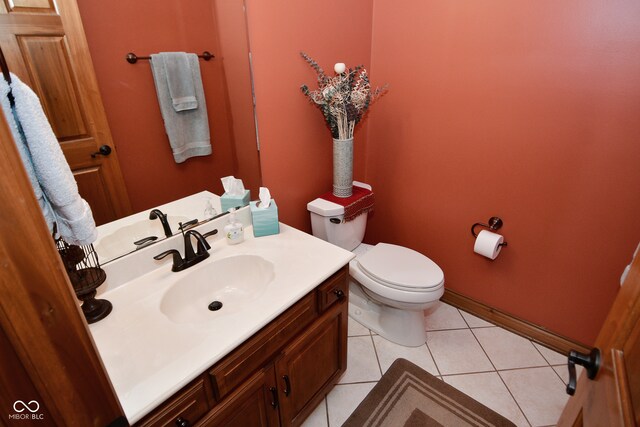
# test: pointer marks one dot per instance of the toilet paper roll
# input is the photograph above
(488, 244)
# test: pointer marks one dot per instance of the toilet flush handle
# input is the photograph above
(335, 220)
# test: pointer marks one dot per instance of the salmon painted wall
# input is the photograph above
(296, 147)
(114, 28)
(526, 110)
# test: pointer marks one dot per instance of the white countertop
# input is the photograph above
(148, 357)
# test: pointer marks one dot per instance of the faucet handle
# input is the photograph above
(184, 226)
(203, 245)
(178, 262)
(145, 241)
(210, 233)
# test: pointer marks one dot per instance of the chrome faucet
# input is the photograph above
(157, 214)
(191, 257)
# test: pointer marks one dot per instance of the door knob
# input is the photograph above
(105, 150)
(591, 362)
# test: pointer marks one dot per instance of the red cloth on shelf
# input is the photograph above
(361, 201)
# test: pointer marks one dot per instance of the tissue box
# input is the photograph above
(227, 202)
(265, 221)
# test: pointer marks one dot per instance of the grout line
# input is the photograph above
(499, 376)
(565, 367)
(465, 320)
(483, 350)
(514, 398)
(375, 351)
(432, 358)
(326, 410)
(449, 329)
(523, 368)
(538, 350)
(491, 325)
(467, 373)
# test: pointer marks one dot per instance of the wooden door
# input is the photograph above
(44, 44)
(310, 364)
(612, 398)
(46, 351)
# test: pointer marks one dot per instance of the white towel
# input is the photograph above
(51, 178)
(188, 130)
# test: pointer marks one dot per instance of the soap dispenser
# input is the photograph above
(233, 231)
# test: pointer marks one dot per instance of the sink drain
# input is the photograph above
(215, 306)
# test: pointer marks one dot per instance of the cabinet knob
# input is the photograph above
(181, 422)
(339, 293)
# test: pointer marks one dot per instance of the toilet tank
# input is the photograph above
(327, 223)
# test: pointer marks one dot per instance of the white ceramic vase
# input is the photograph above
(342, 167)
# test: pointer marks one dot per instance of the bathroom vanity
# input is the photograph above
(278, 376)
(267, 357)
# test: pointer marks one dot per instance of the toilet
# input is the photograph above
(391, 287)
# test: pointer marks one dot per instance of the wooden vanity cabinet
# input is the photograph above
(311, 363)
(279, 375)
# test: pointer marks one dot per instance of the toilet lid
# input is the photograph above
(401, 267)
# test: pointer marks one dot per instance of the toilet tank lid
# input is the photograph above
(324, 207)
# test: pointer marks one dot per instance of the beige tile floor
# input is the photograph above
(523, 381)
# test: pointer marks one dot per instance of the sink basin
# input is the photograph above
(217, 288)
(120, 242)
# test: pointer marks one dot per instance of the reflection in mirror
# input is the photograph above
(93, 97)
(137, 231)
(152, 177)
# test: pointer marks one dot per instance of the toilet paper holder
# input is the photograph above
(494, 224)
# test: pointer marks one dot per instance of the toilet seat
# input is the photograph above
(401, 268)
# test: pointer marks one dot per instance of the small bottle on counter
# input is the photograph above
(234, 232)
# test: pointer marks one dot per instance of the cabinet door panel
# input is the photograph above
(311, 364)
(262, 347)
(249, 405)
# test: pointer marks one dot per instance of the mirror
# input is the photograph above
(141, 149)
(152, 177)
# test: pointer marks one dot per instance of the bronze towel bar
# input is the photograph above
(132, 58)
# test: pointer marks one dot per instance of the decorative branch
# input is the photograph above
(344, 99)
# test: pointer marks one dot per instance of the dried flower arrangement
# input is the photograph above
(343, 99)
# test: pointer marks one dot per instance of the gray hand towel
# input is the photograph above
(188, 130)
(180, 81)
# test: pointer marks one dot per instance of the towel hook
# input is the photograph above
(7, 77)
